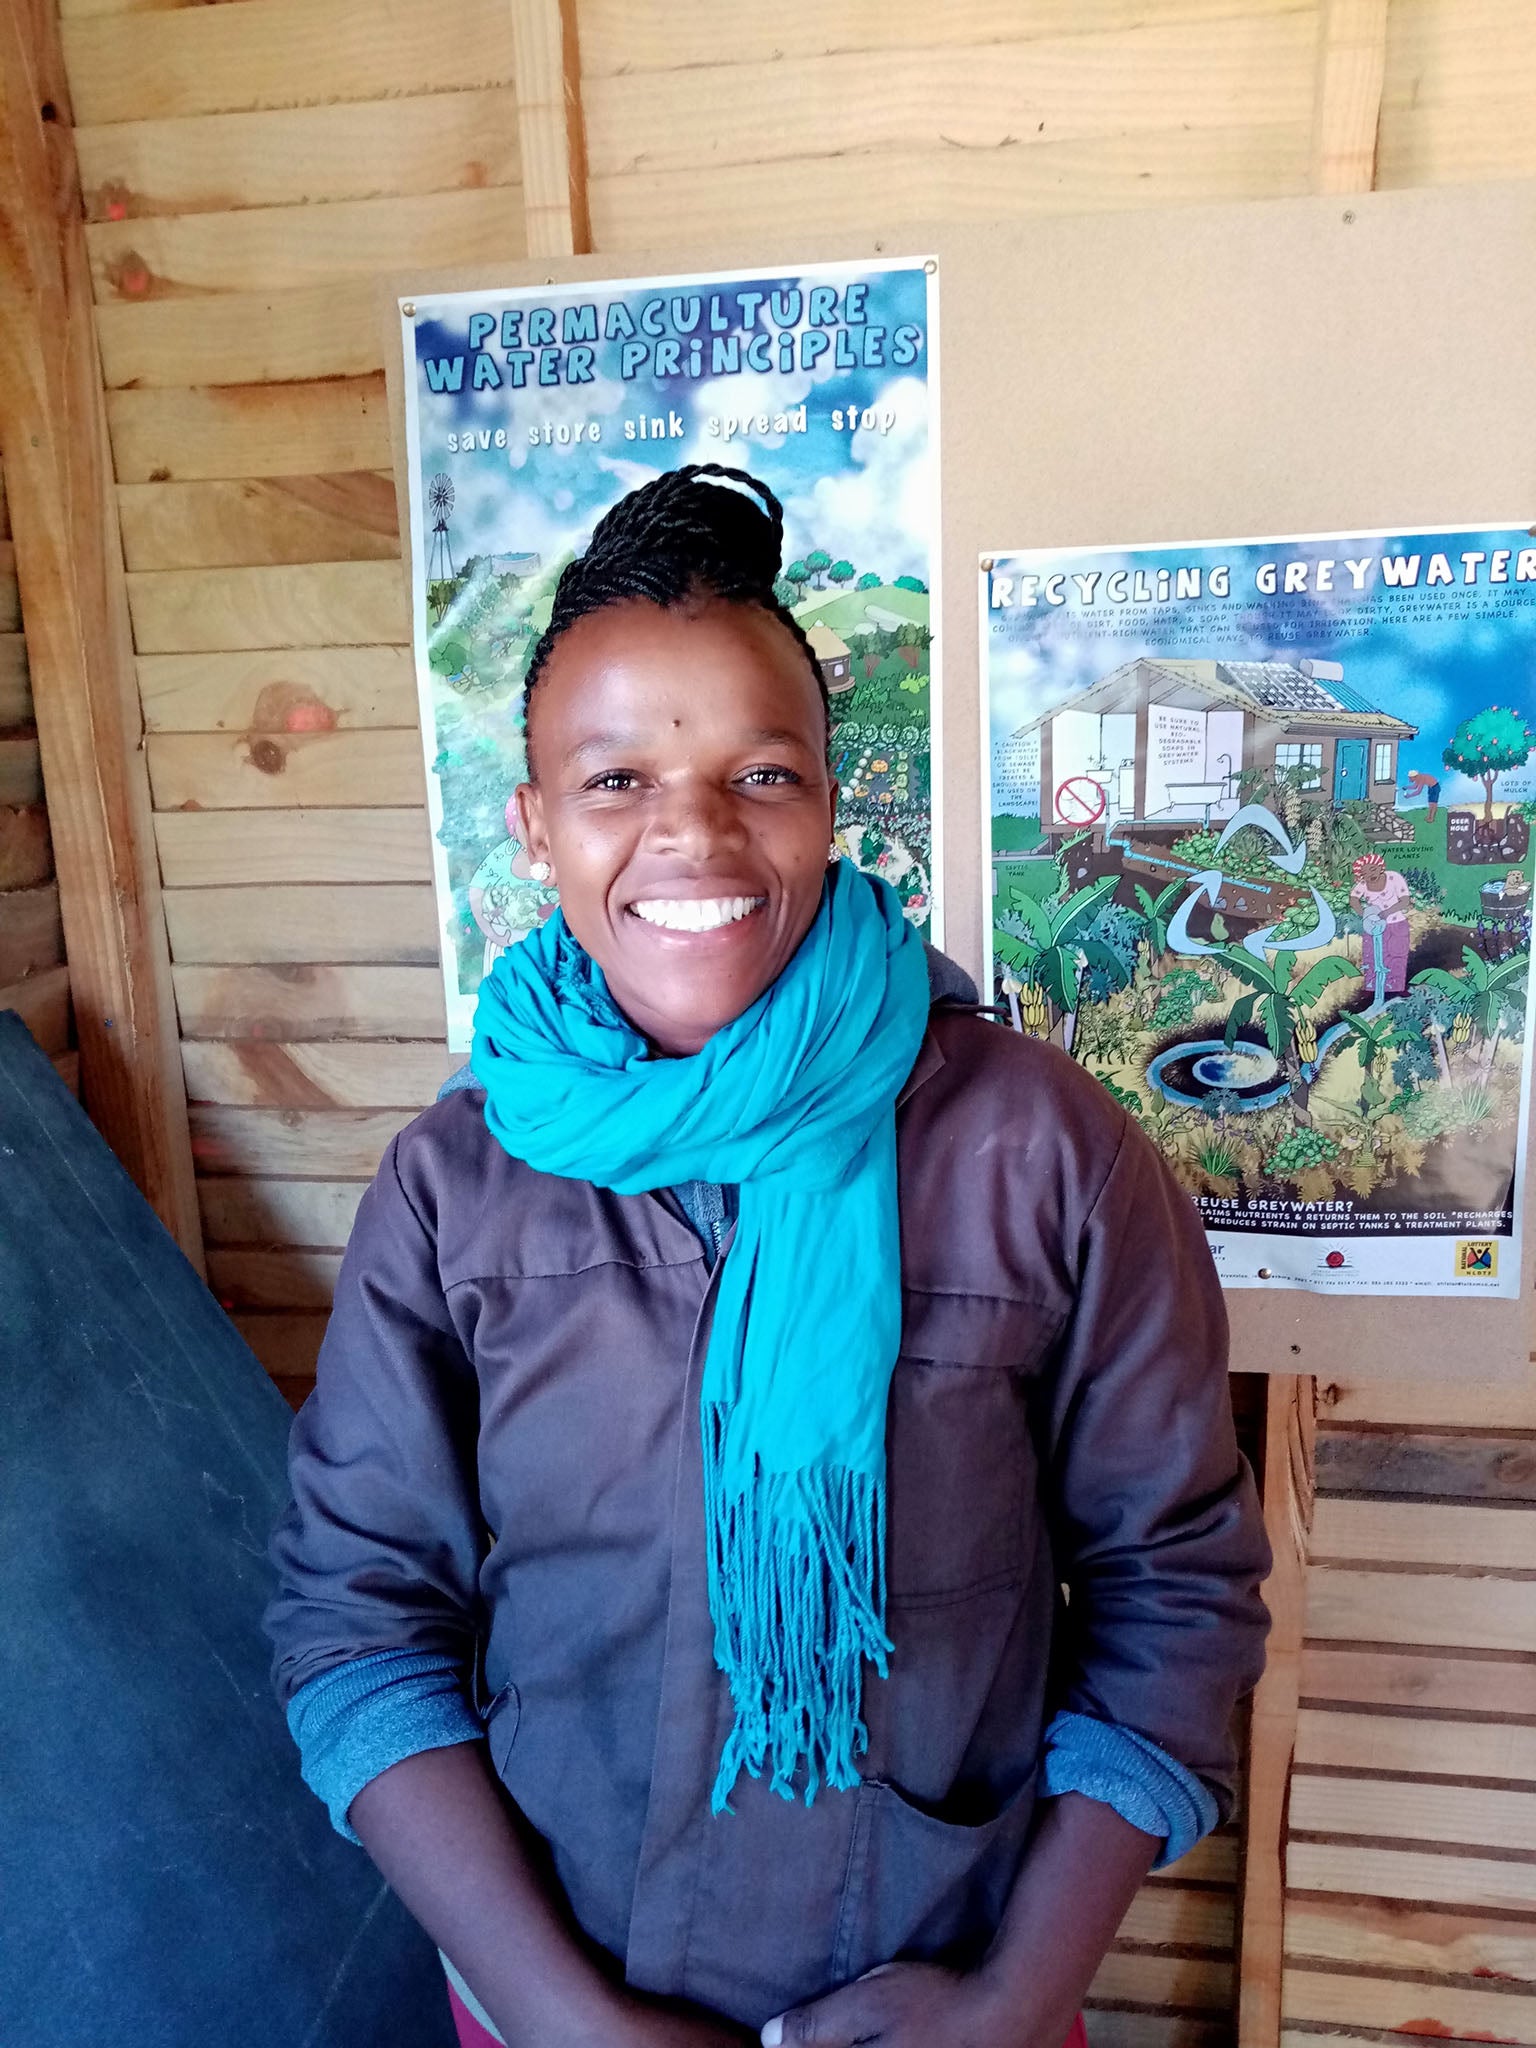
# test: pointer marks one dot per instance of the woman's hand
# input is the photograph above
(907, 2005)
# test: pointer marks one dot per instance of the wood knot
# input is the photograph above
(268, 757)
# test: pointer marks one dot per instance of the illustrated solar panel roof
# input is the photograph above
(1280, 687)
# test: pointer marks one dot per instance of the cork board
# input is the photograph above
(1292, 366)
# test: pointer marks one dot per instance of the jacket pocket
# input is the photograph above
(960, 1460)
(920, 1888)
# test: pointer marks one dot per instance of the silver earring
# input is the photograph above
(539, 869)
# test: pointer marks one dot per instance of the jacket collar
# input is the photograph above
(930, 1057)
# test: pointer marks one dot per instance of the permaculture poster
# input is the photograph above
(530, 412)
(1260, 847)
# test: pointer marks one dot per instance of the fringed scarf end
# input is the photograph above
(797, 1594)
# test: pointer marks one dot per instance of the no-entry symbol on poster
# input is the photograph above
(1080, 801)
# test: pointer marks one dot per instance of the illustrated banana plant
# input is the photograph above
(1374, 1037)
(1158, 912)
(1280, 1003)
(1487, 993)
(1048, 944)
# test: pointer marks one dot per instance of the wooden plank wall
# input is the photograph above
(34, 980)
(1411, 1903)
(249, 170)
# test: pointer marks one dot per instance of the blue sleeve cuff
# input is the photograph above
(1144, 1785)
(353, 1722)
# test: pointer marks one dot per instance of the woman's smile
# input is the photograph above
(697, 916)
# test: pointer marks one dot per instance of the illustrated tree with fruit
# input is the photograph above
(1486, 745)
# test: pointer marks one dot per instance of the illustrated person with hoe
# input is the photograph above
(722, 1390)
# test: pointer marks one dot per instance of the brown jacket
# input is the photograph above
(501, 1460)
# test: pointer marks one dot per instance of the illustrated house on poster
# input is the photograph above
(1163, 743)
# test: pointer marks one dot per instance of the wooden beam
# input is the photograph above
(551, 132)
(1289, 1425)
(1346, 108)
(69, 567)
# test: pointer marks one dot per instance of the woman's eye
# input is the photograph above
(612, 779)
(772, 775)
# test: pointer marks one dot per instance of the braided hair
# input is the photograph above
(677, 540)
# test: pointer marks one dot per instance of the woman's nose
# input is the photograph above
(698, 822)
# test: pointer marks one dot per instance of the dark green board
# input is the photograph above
(167, 1881)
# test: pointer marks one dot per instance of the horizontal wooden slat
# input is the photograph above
(26, 852)
(1180, 1916)
(306, 604)
(292, 1278)
(1428, 1679)
(338, 424)
(385, 921)
(278, 689)
(330, 330)
(1404, 1809)
(280, 248)
(260, 521)
(211, 847)
(1156, 168)
(31, 936)
(15, 682)
(1411, 1532)
(256, 1074)
(279, 1212)
(1483, 137)
(1435, 1877)
(1367, 1931)
(280, 53)
(42, 1003)
(619, 39)
(1179, 75)
(1450, 55)
(1414, 1743)
(1193, 1982)
(1468, 1467)
(1211, 1861)
(1428, 1404)
(1417, 1607)
(21, 777)
(216, 770)
(287, 1345)
(396, 148)
(1415, 2007)
(309, 1003)
(331, 1144)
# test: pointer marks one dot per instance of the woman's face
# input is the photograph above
(683, 804)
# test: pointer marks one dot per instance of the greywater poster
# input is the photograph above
(1260, 854)
(530, 412)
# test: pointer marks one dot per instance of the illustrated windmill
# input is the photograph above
(440, 567)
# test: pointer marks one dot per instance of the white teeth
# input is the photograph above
(693, 914)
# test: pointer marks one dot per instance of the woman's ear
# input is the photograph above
(525, 820)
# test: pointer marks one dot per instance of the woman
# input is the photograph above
(1382, 897)
(719, 1394)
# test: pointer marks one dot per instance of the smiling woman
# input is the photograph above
(723, 1384)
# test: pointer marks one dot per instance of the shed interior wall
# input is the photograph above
(249, 172)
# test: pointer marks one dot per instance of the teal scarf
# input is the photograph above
(795, 1100)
